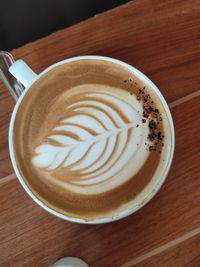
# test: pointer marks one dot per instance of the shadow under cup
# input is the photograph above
(130, 202)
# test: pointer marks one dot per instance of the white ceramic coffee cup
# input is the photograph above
(27, 77)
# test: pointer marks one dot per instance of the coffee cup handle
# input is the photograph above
(23, 73)
(16, 75)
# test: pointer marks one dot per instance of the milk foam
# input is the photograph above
(96, 142)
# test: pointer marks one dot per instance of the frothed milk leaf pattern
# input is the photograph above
(96, 141)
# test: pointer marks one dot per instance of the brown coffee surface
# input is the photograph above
(89, 137)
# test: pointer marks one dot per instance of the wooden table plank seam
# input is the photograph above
(184, 99)
(7, 179)
(162, 248)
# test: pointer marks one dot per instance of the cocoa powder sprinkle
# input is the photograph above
(151, 115)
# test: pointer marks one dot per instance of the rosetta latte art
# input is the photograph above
(99, 145)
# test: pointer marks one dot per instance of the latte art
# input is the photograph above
(98, 139)
(89, 138)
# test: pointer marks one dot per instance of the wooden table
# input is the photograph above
(161, 38)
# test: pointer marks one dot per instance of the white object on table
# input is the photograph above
(70, 262)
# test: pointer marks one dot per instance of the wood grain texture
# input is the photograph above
(186, 254)
(159, 38)
(30, 236)
(6, 107)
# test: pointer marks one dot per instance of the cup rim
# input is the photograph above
(127, 211)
